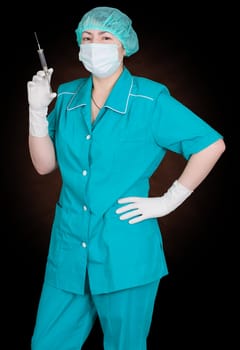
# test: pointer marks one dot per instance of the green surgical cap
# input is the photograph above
(111, 20)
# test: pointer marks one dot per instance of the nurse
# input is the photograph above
(107, 134)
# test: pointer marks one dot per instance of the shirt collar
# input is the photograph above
(117, 100)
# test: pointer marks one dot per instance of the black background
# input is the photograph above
(190, 48)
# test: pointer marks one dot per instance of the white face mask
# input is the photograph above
(100, 59)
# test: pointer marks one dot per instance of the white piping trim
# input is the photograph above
(143, 96)
(66, 93)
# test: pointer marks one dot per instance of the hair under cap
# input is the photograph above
(111, 20)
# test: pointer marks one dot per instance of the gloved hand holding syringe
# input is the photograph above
(40, 96)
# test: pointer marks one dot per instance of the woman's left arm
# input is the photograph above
(199, 165)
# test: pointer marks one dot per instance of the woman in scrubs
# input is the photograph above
(107, 134)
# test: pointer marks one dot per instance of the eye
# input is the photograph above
(106, 38)
(86, 38)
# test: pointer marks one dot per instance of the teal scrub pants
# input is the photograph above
(64, 320)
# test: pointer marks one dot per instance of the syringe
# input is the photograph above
(42, 58)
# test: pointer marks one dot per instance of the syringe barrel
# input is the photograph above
(42, 59)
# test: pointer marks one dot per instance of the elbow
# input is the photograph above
(220, 146)
(216, 150)
(44, 170)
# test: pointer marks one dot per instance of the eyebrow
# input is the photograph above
(103, 32)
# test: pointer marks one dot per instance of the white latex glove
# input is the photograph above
(39, 98)
(141, 208)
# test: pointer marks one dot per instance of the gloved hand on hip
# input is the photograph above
(39, 98)
(141, 208)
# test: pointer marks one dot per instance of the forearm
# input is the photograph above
(42, 154)
(200, 164)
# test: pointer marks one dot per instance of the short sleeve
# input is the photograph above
(178, 129)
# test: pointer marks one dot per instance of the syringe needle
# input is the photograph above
(37, 40)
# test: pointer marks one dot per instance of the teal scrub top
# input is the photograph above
(103, 161)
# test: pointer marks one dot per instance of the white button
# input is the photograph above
(84, 244)
(84, 172)
(85, 208)
(88, 137)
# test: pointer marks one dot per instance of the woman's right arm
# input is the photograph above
(41, 147)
